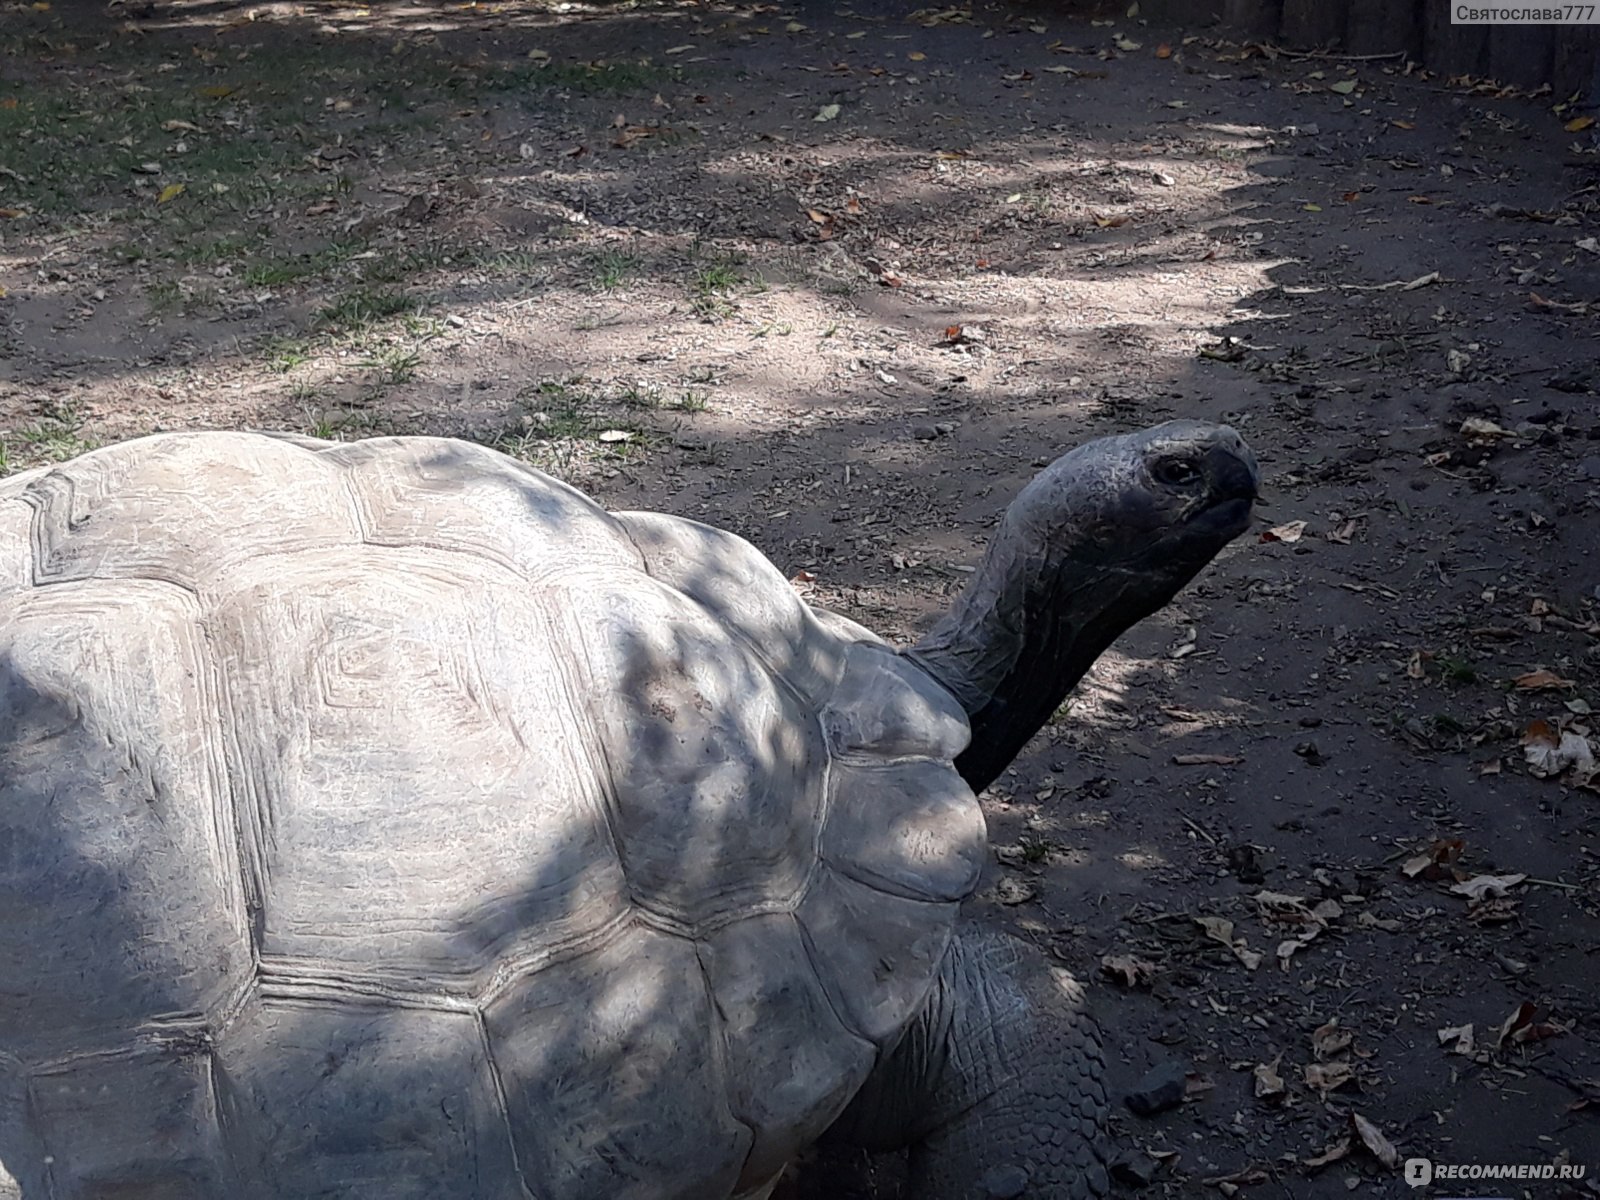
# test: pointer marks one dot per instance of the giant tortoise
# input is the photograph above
(389, 821)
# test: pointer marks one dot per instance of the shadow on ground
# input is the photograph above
(839, 294)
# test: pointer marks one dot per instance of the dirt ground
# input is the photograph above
(840, 280)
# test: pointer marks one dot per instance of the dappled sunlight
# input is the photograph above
(1143, 860)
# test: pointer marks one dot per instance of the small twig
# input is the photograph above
(1325, 56)
(1571, 887)
(1198, 830)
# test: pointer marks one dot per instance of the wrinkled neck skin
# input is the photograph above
(1028, 627)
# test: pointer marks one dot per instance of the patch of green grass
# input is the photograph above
(53, 439)
(691, 401)
(339, 424)
(422, 327)
(640, 395)
(394, 364)
(394, 268)
(75, 139)
(720, 275)
(1456, 670)
(128, 252)
(284, 354)
(363, 307)
(322, 426)
(164, 295)
(510, 262)
(215, 250)
(712, 284)
(1035, 847)
(560, 410)
(612, 267)
(276, 272)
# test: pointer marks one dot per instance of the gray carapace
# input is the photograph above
(388, 820)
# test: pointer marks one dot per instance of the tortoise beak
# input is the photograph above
(1233, 478)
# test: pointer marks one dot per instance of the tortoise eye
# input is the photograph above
(1176, 472)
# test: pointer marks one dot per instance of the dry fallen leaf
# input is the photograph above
(1330, 1039)
(1127, 970)
(1431, 864)
(1207, 760)
(1372, 1138)
(1520, 1027)
(1578, 124)
(1268, 1083)
(1332, 1154)
(1542, 680)
(1163, 51)
(1549, 752)
(171, 192)
(1457, 1039)
(1344, 87)
(1229, 1185)
(1482, 887)
(1219, 929)
(1482, 427)
(1288, 533)
(1327, 1077)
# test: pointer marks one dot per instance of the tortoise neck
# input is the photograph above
(1019, 638)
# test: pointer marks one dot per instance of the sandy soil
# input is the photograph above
(840, 280)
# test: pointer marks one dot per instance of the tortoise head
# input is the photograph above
(1103, 537)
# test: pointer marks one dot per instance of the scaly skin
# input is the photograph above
(997, 1086)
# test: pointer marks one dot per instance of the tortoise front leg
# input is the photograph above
(997, 1087)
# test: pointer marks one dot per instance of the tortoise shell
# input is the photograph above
(387, 819)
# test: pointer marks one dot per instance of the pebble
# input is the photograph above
(1161, 1088)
